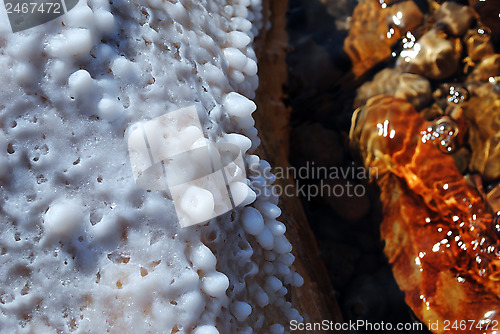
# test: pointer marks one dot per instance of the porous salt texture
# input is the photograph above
(82, 248)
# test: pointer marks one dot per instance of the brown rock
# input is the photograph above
(456, 18)
(493, 198)
(412, 87)
(375, 27)
(483, 114)
(433, 56)
(478, 44)
(488, 12)
(487, 68)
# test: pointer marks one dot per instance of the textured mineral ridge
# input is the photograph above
(83, 249)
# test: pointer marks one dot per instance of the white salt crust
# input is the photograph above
(82, 248)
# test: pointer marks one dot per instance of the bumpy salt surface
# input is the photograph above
(82, 248)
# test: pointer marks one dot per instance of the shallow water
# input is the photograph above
(321, 92)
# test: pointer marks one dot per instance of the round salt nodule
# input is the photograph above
(268, 268)
(282, 270)
(237, 105)
(242, 194)
(194, 302)
(270, 256)
(241, 24)
(24, 72)
(246, 123)
(237, 76)
(252, 219)
(192, 135)
(282, 245)
(207, 329)
(198, 203)
(266, 238)
(240, 11)
(277, 228)
(283, 291)
(298, 280)
(23, 48)
(105, 21)
(261, 298)
(265, 166)
(176, 11)
(246, 330)
(250, 67)
(234, 172)
(238, 39)
(62, 218)
(277, 329)
(215, 284)
(258, 181)
(213, 74)
(268, 209)
(124, 69)
(189, 280)
(273, 284)
(243, 142)
(110, 109)
(252, 132)
(105, 230)
(79, 17)
(287, 259)
(235, 58)
(247, 3)
(252, 268)
(244, 254)
(72, 43)
(203, 258)
(80, 82)
(294, 314)
(241, 310)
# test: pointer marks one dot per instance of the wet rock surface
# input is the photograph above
(483, 113)
(373, 30)
(412, 87)
(454, 17)
(442, 59)
(435, 55)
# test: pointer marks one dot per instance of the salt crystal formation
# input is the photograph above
(83, 249)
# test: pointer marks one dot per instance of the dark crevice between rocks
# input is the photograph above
(320, 92)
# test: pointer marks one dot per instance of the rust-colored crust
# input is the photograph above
(439, 237)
